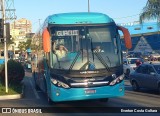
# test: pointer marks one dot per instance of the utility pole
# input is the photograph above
(5, 43)
(39, 22)
(88, 6)
(39, 27)
(39, 33)
(8, 13)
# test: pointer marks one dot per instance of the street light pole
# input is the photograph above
(5, 43)
(88, 6)
(39, 20)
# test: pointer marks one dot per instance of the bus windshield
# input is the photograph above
(84, 48)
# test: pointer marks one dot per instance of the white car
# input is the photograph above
(154, 57)
(129, 65)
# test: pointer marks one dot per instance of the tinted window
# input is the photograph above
(133, 61)
(157, 68)
(82, 46)
(142, 69)
(139, 69)
(145, 70)
(150, 69)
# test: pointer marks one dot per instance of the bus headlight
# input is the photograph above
(117, 80)
(113, 82)
(54, 81)
(59, 83)
(121, 77)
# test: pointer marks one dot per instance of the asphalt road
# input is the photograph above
(33, 98)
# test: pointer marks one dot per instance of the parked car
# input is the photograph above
(130, 54)
(154, 57)
(146, 75)
(129, 65)
(146, 56)
(137, 54)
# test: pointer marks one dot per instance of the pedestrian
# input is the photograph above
(138, 63)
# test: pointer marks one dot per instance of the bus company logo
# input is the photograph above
(89, 72)
(92, 79)
(6, 110)
(90, 83)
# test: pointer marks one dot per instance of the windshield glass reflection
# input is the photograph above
(84, 48)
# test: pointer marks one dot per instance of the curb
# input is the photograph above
(7, 97)
(15, 96)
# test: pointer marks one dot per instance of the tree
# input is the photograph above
(16, 73)
(151, 11)
(22, 46)
(28, 43)
(25, 45)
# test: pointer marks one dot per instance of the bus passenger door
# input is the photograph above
(47, 72)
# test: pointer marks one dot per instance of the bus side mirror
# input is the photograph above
(127, 37)
(46, 40)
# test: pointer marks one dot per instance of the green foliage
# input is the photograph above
(151, 11)
(13, 89)
(16, 73)
(25, 45)
(22, 46)
(28, 43)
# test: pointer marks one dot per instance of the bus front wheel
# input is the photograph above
(135, 86)
(50, 102)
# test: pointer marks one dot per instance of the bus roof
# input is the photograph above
(79, 18)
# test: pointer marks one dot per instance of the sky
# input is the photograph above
(122, 11)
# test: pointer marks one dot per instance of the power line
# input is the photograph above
(138, 14)
(127, 16)
(10, 10)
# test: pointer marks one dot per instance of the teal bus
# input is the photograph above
(79, 57)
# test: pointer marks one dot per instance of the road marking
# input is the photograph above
(34, 90)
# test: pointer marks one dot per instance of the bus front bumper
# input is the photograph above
(60, 94)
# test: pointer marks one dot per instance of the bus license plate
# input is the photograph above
(90, 91)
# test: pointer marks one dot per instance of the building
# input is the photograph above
(145, 37)
(19, 30)
(23, 25)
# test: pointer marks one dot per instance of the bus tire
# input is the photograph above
(135, 86)
(50, 102)
(104, 100)
(127, 73)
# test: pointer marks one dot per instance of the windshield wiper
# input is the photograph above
(108, 60)
(74, 61)
(102, 61)
(100, 57)
(92, 49)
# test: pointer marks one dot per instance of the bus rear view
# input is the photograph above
(82, 57)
